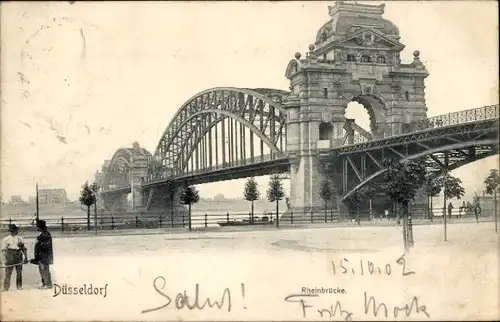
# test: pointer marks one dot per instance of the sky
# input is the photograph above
(81, 80)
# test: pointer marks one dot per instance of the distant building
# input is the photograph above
(219, 197)
(52, 196)
(487, 203)
(16, 200)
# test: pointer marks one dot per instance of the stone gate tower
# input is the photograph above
(355, 57)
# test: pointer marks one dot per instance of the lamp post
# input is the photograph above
(37, 205)
(96, 193)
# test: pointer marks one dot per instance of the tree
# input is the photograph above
(88, 197)
(355, 200)
(189, 196)
(275, 193)
(452, 188)
(251, 192)
(325, 194)
(432, 189)
(492, 182)
(403, 180)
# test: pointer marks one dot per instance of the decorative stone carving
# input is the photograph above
(342, 56)
(396, 87)
(353, 29)
(327, 116)
(324, 35)
(416, 60)
(366, 39)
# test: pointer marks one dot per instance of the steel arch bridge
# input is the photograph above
(230, 133)
(220, 128)
(184, 153)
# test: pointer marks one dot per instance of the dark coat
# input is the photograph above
(43, 249)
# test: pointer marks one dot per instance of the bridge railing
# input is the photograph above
(461, 117)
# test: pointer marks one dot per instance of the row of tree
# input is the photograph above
(189, 195)
(403, 180)
(275, 193)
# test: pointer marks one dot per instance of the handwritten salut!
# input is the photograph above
(371, 308)
(184, 301)
(365, 267)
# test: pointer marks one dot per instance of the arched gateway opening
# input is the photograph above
(366, 114)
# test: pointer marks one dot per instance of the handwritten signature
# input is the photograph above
(371, 307)
(348, 267)
(182, 300)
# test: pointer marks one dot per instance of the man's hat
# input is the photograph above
(41, 224)
(13, 228)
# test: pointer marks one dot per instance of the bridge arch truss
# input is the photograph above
(443, 149)
(223, 126)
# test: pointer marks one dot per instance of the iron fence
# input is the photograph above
(131, 221)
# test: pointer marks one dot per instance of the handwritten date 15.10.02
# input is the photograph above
(364, 267)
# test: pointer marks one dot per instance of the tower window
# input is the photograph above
(407, 95)
(351, 57)
(325, 92)
(324, 56)
(366, 59)
(325, 131)
(381, 59)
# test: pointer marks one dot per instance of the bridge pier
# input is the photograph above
(165, 200)
(115, 203)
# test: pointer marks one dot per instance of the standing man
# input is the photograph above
(44, 256)
(477, 212)
(450, 208)
(13, 250)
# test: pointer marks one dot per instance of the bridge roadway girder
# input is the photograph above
(456, 133)
(361, 165)
(279, 165)
(117, 191)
